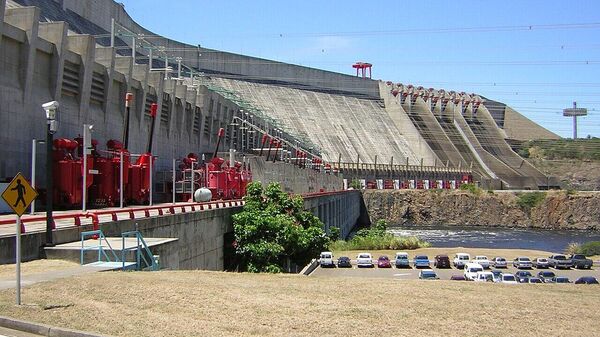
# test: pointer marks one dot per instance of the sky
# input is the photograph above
(536, 56)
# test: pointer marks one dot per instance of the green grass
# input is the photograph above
(387, 241)
(527, 201)
(589, 248)
(582, 149)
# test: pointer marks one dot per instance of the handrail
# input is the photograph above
(100, 235)
(140, 242)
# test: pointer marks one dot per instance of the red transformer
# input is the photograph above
(138, 189)
(105, 190)
(68, 173)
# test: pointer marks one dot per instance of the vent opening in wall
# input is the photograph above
(97, 93)
(70, 83)
(197, 121)
(165, 115)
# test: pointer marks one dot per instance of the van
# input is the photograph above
(484, 276)
(471, 270)
(326, 259)
(460, 259)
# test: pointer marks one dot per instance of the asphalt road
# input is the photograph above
(443, 274)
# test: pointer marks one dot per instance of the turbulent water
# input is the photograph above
(474, 237)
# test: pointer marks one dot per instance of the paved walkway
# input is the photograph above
(6, 332)
(9, 283)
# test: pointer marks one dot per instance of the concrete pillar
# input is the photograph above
(84, 45)
(178, 125)
(2, 7)
(106, 57)
(191, 99)
(27, 19)
(56, 33)
(140, 72)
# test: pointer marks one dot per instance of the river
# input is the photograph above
(477, 237)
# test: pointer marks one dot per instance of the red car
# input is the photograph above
(384, 262)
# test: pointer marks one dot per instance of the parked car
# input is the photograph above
(547, 276)
(484, 276)
(384, 262)
(326, 259)
(482, 260)
(508, 279)
(460, 259)
(428, 274)
(522, 262)
(401, 260)
(541, 263)
(523, 276)
(344, 262)
(499, 262)
(581, 262)
(441, 261)
(458, 278)
(558, 261)
(364, 260)
(586, 280)
(561, 279)
(471, 270)
(535, 280)
(497, 275)
(421, 261)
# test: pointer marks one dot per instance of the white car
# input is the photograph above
(364, 260)
(326, 259)
(499, 262)
(484, 276)
(508, 279)
(482, 260)
(471, 270)
(541, 262)
(460, 259)
(522, 262)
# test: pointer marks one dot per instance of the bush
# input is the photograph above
(590, 248)
(572, 248)
(527, 201)
(388, 241)
(355, 184)
(471, 188)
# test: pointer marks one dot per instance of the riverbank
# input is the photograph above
(547, 210)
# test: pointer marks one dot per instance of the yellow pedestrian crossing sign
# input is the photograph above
(19, 194)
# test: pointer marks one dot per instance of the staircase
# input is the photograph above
(107, 256)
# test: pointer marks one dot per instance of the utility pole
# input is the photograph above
(575, 112)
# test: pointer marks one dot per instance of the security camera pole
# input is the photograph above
(51, 109)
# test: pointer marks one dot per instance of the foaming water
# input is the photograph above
(477, 237)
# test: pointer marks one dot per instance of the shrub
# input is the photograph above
(355, 184)
(471, 188)
(572, 248)
(590, 248)
(385, 242)
(527, 201)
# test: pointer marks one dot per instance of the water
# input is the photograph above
(476, 237)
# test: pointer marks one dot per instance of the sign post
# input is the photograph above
(19, 195)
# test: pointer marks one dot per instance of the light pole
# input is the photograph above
(87, 144)
(51, 109)
(34, 144)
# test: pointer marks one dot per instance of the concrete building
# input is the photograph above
(62, 50)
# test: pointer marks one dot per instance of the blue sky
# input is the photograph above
(536, 56)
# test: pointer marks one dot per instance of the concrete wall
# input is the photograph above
(292, 178)
(100, 12)
(200, 234)
(520, 127)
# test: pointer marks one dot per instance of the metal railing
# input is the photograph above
(99, 247)
(142, 252)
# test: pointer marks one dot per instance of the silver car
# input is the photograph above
(499, 262)
(522, 262)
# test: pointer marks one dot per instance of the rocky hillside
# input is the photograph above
(552, 210)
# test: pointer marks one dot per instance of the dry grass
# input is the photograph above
(225, 304)
(509, 254)
(35, 267)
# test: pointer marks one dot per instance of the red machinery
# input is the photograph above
(105, 189)
(138, 189)
(68, 173)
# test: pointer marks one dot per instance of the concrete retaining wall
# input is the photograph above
(200, 234)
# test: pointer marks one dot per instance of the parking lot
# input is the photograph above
(444, 274)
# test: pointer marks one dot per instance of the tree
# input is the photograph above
(274, 229)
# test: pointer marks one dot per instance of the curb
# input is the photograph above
(42, 329)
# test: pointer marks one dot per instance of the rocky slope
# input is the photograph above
(554, 210)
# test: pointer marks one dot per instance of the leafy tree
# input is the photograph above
(274, 229)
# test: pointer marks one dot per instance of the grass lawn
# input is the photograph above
(34, 267)
(196, 303)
